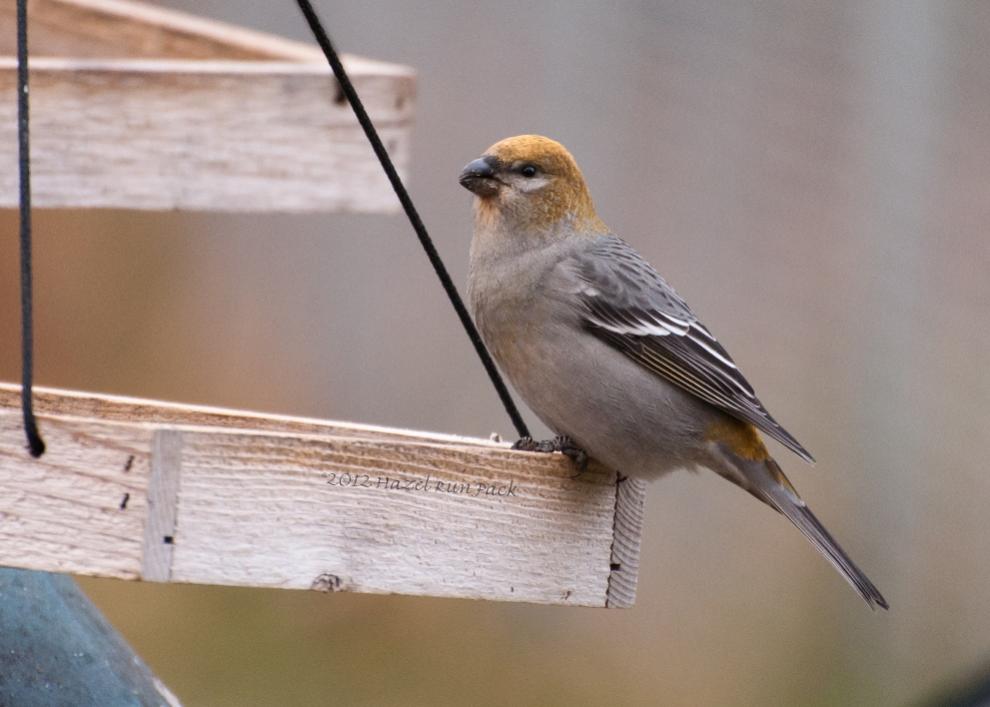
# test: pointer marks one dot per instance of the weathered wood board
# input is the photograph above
(139, 107)
(137, 489)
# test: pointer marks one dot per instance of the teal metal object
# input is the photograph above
(57, 649)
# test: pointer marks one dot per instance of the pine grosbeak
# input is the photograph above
(603, 350)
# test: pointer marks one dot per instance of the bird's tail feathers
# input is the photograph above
(768, 483)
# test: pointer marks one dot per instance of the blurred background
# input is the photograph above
(813, 177)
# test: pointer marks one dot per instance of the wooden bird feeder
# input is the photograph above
(136, 107)
(139, 108)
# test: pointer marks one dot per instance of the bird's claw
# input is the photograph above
(561, 443)
(578, 457)
(528, 444)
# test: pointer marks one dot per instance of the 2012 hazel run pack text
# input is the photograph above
(422, 484)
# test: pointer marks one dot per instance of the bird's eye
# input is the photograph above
(528, 170)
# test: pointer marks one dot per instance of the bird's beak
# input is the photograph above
(479, 177)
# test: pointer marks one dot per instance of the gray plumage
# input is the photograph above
(603, 350)
(619, 411)
(631, 306)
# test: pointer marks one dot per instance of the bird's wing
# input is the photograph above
(625, 302)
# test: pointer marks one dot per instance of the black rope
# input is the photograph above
(35, 443)
(400, 191)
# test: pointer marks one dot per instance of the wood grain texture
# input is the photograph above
(119, 29)
(119, 408)
(163, 503)
(306, 505)
(628, 529)
(189, 114)
(62, 513)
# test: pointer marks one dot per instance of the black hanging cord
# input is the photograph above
(400, 191)
(35, 443)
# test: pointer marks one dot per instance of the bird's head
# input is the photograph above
(530, 182)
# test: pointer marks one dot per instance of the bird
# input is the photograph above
(604, 351)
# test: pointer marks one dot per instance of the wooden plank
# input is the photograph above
(163, 505)
(201, 136)
(115, 29)
(81, 509)
(204, 130)
(119, 408)
(627, 529)
(304, 504)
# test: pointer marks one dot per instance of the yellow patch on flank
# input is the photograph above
(740, 437)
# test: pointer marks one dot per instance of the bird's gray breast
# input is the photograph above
(624, 416)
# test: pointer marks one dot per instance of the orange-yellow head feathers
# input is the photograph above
(531, 183)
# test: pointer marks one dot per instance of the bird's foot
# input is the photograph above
(561, 443)
(528, 444)
(579, 458)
